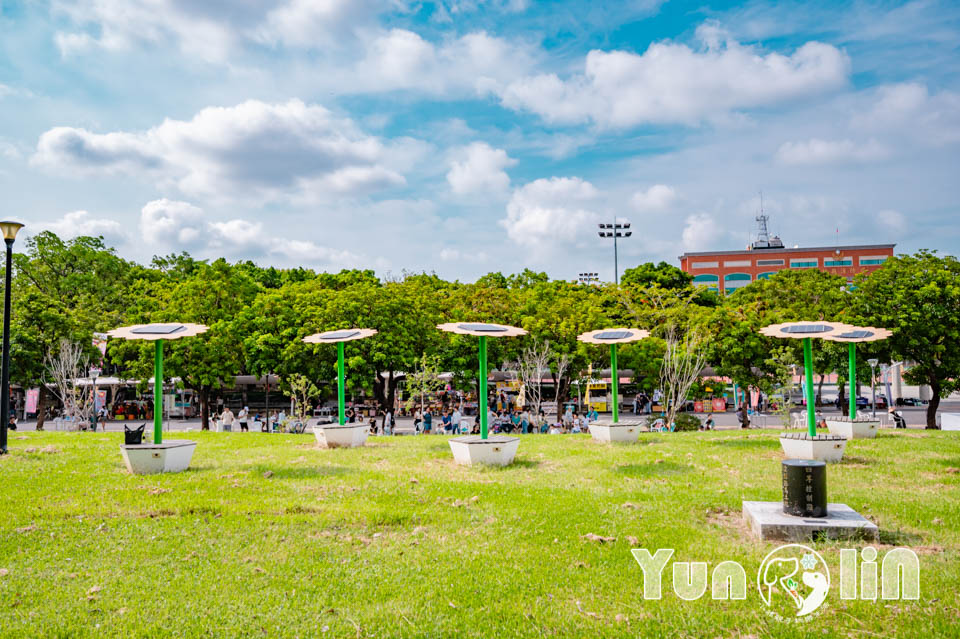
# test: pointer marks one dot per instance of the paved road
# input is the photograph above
(915, 417)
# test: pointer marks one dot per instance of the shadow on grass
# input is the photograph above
(864, 461)
(748, 442)
(305, 472)
(652, 469)
(899, 538)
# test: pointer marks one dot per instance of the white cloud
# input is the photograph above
(657, 198)
(476, 62)
(171, 223)
(817, 151)
(254, 149)
(480, 169)
(700, 232)
(77, 223)
(240, 234)
(308, 23)
(911, 112)
(893, 220)
(552, 210)
(673, 83)
(305, 251)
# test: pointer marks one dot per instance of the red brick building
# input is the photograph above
(726, 271)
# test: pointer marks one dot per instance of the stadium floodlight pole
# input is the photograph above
(9, 230)
(615, 230)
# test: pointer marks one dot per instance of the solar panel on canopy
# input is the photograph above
(855, 335)
(484, 328)
(158, 329)
(806, 328)
(613, 335)
(337, 335)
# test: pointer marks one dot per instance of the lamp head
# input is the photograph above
(873, 362)
(10, 230)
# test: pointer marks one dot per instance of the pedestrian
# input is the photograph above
(476, 424)
(568, 418)
(525, 421)
(455, 419)
(446, 421)
(417, 421)
(226, 418)
(427, 421)
(242, 418)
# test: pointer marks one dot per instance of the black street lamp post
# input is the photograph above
(615, 230)
(9, 230)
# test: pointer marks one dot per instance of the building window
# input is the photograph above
(705, 265)
(709, 280)
(733, 281)
(872, 260)
(769, 262)
(808, 262)
(847, 261)
(766, 276)
(737, 263)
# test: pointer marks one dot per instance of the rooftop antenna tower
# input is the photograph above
(764, 239)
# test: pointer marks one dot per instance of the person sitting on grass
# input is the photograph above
(555, 429)
(708, 423)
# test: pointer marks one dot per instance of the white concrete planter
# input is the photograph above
(496, 450)
(827, 448)
(853, 428)
(172, 456)
(346, 436)
(607, 432)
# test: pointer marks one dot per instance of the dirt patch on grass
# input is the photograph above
(730, 522)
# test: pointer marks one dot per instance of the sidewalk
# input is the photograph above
(915, 417)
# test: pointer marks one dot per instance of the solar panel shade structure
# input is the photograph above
(339, 335)
(806, 329)
(484, 328)
(158, 329)
(613, 335)
(855, 335)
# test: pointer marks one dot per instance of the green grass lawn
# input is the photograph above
(269, 536)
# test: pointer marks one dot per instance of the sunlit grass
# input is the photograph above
(267, 535)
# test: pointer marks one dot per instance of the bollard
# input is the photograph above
(804, 487)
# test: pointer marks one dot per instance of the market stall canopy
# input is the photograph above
(613, 336)
(339, 336)
(153, 332)
(481, 330)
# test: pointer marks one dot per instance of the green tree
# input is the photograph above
(918, 298)
(62, 290)
(662, 275)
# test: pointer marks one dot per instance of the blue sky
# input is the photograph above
(466, 136)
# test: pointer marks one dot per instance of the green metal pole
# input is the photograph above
(158, 392)
(853, 380)
(808, 375)
(341, 409)
(614, 383)
(482, 400)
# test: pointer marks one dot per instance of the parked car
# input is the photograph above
(910, 401)
(864, 402)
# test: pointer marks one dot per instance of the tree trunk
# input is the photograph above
(41, 406)
(820, 391)
(391, 391)
(933, 405)
(844, 404)
(204, 408)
